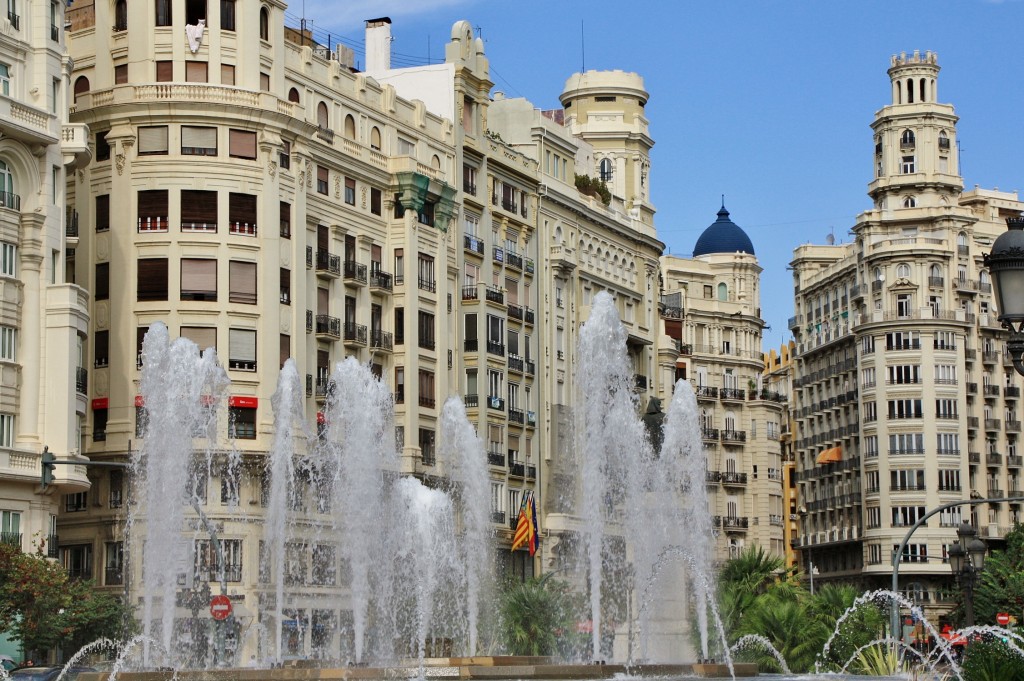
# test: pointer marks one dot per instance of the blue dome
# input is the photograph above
(723, 236)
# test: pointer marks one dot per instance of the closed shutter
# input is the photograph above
(242, 348)
(286, 348)
(242, 286)
(203, 336)
(227, 74)
(195, 140)
(323, 237)
(164, 71)
(153, 209)
(321, 174)
(198, 210)
(103, 213)
(242, 212)
(152, 279)
(323, 305)
(153, 139)
(375, 255)
(195, 71)
(198, 279)
(242, 144)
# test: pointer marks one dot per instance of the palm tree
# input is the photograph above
(783, 617)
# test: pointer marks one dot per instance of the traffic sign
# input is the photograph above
(1002, 618)
(220, 607)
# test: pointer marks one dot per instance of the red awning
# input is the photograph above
(243, 401)
(101, 403)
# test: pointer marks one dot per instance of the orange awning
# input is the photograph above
(833, 455)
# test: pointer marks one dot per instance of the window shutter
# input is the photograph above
(152, 279)
(321, 174)
(153, 206)
(322, 301)
(203, 336)
(227, 74)
(323, 237)
(198, 138)
(103, 213)
(153, 139)
(241, 345)
(242, 144)
(242, 210)
(199, 277)
(242, 282)
(198, 209)
(195, 71)
(164, 71)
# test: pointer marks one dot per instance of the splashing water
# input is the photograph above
(887, 641)
(98, 644)
(751, 640)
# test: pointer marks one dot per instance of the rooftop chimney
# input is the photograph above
(378, 45)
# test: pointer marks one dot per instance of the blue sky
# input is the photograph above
(767, 103)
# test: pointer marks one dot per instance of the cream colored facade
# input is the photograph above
(899, 361)
(712, 320)
(44, 316)
(778, 380)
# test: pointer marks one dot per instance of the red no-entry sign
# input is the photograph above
(1002, 618)
(220, 607)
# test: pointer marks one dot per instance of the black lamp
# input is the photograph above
(1006, 263)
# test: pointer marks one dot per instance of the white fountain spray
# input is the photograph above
(361, 437)
(462, 448)
(182, 392)
(287, 404)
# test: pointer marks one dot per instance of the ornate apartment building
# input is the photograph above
(44, 315)
(711, 312)
(903, 399)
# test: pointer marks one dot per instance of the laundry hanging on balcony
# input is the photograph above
(194, 33)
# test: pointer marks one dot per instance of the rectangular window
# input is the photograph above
(152, 210)
(242, 284)
(350, 191)
(103, 213)
(324, 565)
(102, 281)
(242, 214)
(6, 430)
(907, 166)
(426, 330)
(151, 283)
(198, 211)
(265, 82)
(242, 349)
(286, 347)
(163, 12)
(426, 441)
(196, 72)
(164, 71)
(99, 425)
(425, 270)
(8, 344)
(227, 74)
(77, 560)
(242, 144)
(203, 336)
(101, 348)
(375, 201)
(242, 422)
(152, 140)
(284, 157)
(426, 388)
(198, 141)
(286, 220)
(199, 279)
(399, 326)
(322, 175)
(227, 15)
(120, 74)
(102, 148)
(286, 286)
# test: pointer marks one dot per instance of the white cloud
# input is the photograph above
(347, 17)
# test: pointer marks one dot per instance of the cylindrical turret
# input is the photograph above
(914, 77)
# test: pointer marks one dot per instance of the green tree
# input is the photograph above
(742, 580)
(992, 660)
(783, 616)
(1001, 587)
(44, 608)
(860, 627)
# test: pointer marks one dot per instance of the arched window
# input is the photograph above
(983, 278)
(121, 15)
(264, 24)
(910, 202)
(293, 95)
(879, 276)
(435, 162)
(723, 291)
(606, 170)
(375, 138)
(961, 242)
(923, 97)
(81, 86)
(943, 140)
(730, 424)
(558, 234)
(350, 127)
(910, 90)
(903, 271)
(907, 138)
(321, 115)
(6, 185)
(935, 271)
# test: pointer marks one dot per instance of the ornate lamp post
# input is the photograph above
(967, 560)
(1006, 263)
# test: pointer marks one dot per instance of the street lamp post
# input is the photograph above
(1006, 263)
(967, 560)
(810, 555)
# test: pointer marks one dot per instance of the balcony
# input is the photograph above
(328, 264)
(496, 403)
(11, 538)
(734, 436)
(531, 472)
(992, 391)
(327, 327)
(472, 401)
(972, 422)
(515, 311)
(1014, 461)
(496, 458)
(735, 479)
(1011, 392)
(473, 244)
(993, 459)
(1013, 426)
(973, 457)
(426, 284)
(517, 469)
(494, 295)
(53, 546)
(471, 345)
(528, 315)
(324, 387)
(989, 357)
(470, 293)
(71, 224)
(380, 280)
(516, 416)
(709, 433)
(737, 394)
(712, 477)
(735, 524)
(354, 335)
(498, 517)
(515, 363)
(992, 424)
(15, 20)
(936, 282)
(382, 340)
(706, 392)
(469, 187)
(514, 261)
(325, 134)
(353, 272)
(495, 348)
(531, 367)
(242, 228)
(81, 380)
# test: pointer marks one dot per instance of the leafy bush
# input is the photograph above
(991, 660)
(591, 186)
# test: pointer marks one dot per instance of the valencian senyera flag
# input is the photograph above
(527, 531)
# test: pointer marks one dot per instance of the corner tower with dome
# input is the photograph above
(711, 317)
